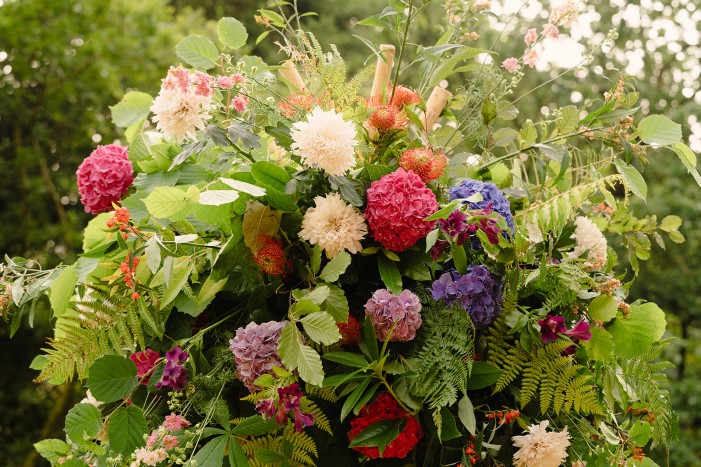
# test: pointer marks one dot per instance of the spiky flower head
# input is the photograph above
(424, 162)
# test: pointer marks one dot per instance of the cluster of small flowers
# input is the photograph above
(255, 351)
(350, 331)
(476, 291)
(271, 258)
(104, 177)
(160, 441)
(457, 226)
(424, 162)
(386, 408)
(174, 374)
(5, 299)
(288, 400)
(493, 199)
(591, 240)
(608, 286)
(648, 414)
(120, 220)
(128, 268)
(504, 417)
(395, 316)
(473, 456)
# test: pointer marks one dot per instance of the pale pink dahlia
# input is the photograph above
(386, 310)
(255, 351)
(542, 448)
(511, 64)
(104, 177)
(397, 205)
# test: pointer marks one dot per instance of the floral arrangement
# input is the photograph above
(328, 276)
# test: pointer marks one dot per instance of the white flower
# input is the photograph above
(333, 225)
(90, 399)
(540, 448)
(325, 141)
(178, 113)
(589, 237)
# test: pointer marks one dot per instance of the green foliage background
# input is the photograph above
(64, 62)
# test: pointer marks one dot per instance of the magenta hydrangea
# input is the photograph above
(255, 351)
(397, 205)
(385, 309)
(104, 177)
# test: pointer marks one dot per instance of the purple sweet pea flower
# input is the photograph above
(580, 331)
(302, 420)
(266, 407)
(550, 327)
(455, 224)
(174, 374)
(290, 396)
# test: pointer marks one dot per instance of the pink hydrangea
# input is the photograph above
(397, 205)
(174, 422)
(385, 309)
(255, 351)
(511, 64)
(104, 177)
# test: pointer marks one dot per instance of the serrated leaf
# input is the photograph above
(321, 327)
(603, 308)
(658, 129)
(237, 456)
(336, 304)
(126, 429)
(232, 33)
(634, 334)
(83, 420)
(112, 378)
(153, 254)
(334, 268)
(52, 449)
(671, 223)
(197, 51)
(296, 355)
(133, 107)
(211, 454)
(600, 345)
(170, 202)
(634, 180)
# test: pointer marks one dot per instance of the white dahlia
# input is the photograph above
(325, 141)
(589, 237)
(178, 114)
(541, 448)
(333, 225)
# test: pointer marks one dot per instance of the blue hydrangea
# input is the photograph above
(477, 291)
(490, 193)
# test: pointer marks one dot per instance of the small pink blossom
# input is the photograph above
(225, 82)
(151, 441)
(511, 64)
(531, 58)
(203, 84)
(240, 103)
(238, 78)
(176, 79)
(170, 441)
(175, 422)
(551, 31)
(150, 457)
(531, 36)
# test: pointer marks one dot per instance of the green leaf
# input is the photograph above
(270, 174)
(466, 413)
(170, 202)
(197, 51)
(319, 294)
(634, 334)
(126, 429)
(459, 257)
(504, 136)
(389, 273)
(237, 456)
(232, 33)
(337, 266)
(600, 346)
(181, 272)
(354, 396)
(370, 340)
(321, 328)
(688, 158)
(112, 378)
(640, 433)
(238, 185)
(268, 456)
(489, 112)
(603, 308)
(658, 129)
(449, 430)
(133, 107)
(482, 375)
(671, 223)
(633, 179)
(52, 449)
(62, 290)
(294, 354)
(255, 426)
(304, 307)
(444, 212)
(346, 358)
(336, 304)
(431, 239)
(83, 420)
(379, 434)
(211, 454)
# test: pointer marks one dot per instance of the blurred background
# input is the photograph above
(64, 62)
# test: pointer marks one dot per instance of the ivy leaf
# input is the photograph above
(232, 33)
(112, 378)
(337, 266)
(83, 420)
(321, 327)
(126, 429)
(389, 273)
(133, 107)
(658, 129)
(294, 354)
(633, 179)
(197, 51)
(603, 308)
(634, 334)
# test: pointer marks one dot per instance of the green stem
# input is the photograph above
(401, 49)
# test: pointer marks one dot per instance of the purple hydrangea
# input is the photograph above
(477, 291)
(255, 351)
(385, 309)
(174, 374)
(492, 196)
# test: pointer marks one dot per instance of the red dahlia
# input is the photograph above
(386, 408)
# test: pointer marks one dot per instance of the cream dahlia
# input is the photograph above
(333, 225)
(325, 141)
(541, 448)
(590, 238)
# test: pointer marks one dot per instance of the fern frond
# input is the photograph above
(321, 421)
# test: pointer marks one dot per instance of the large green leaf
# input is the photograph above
(254, 425)
(389, 273)
(171, 202)
(600, 345)
(334, 268)
(198, 51)
(232, 33)
(633, 179)
(271, 174)
(603, 308)
(466, 413)
(658, 129)
(52, 449)
(635, 333)
(180, 274)
(237, 456)
(294, 354)
(346, 358)
(112, 378)
(688, 158)
(133, 107)
(62, 290)
(83, 420)
(211, 454)
(336, 304)
(321, 327)
(482, 375)
(126, 429)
